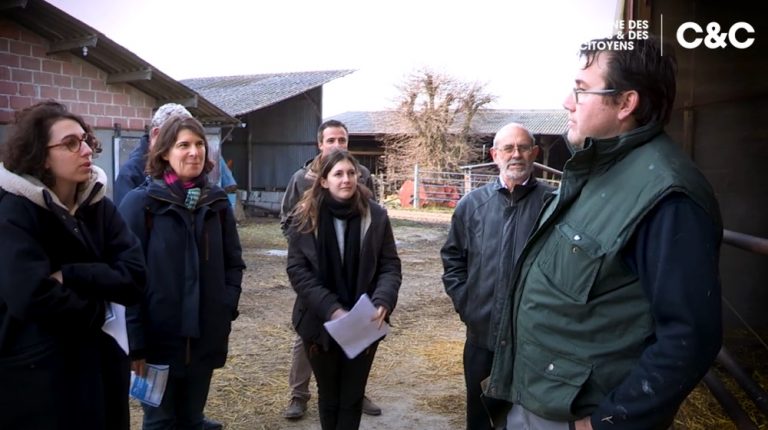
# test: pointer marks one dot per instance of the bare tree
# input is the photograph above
(434, 116)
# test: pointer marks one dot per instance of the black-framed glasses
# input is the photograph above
(74, 143)
(603, 92)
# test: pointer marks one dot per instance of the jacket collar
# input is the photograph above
(158, 189)
(518, 192)
(599, 154)
(29, 187)
(312, 167)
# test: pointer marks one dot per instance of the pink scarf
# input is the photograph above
(171, 177)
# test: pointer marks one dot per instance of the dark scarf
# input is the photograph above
(188, 194)
(337, 276)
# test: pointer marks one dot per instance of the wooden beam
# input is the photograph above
(689, 129)
(218, 120)
(12, 4)
(221, 121)
(138, 75)
(190, 102)
(67, 45)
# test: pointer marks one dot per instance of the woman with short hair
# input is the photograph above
(194, 272)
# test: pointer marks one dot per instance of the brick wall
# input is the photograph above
(28, 75)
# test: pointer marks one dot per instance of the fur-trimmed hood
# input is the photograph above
(34, 190)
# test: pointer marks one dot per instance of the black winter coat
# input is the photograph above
(488, 231)
(379, 275)
(56, 365)
(194, 272)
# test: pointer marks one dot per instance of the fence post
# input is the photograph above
(416, 186)
(467, 182)
(381, 183)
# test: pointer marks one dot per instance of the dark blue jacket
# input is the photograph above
(194, 272)
(132, 172)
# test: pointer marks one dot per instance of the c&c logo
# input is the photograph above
(714, 39)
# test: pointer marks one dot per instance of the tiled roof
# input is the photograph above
(540, 121)
(371, 122)
(238, 95)
(487, 121)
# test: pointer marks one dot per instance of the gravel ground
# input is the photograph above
(417, 375)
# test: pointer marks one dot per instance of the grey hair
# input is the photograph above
(166, 111)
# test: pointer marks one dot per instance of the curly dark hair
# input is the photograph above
(156, 164)
(26, 149)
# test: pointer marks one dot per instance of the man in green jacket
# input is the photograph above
(614, 314)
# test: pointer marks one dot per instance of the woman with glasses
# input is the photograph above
(194, 272)
(340, 247)
(66, 259)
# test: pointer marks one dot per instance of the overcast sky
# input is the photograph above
(524, 51)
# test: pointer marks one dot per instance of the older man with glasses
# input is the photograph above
(488, 230)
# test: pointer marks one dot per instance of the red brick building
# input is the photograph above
(28, 75)
(47, 54)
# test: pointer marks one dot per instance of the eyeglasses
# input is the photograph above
(603, 92)
(509, 149)
(74, 143)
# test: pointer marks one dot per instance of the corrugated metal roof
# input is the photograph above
(372, 122)
(487, 121)
(239, 95)
(67, 34)
(539, 121)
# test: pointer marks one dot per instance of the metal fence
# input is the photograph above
(444, 188)
(749, 386)
(432, 188)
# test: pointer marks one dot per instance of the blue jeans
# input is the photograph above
(183, 402)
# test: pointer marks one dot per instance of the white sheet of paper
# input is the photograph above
(355, 331)
(114, 324)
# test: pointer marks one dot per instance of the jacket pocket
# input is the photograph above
(573, 262)
(40, 355)
(550, 382)
(298, 317)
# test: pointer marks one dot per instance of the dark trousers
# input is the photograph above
(116, 376)
(183, 402)
(477, 367)
(340, 384)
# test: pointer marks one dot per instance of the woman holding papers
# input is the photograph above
(194, 272)
(340, 247)
(65, 254)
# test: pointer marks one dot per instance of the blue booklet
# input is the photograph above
(150, 388)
